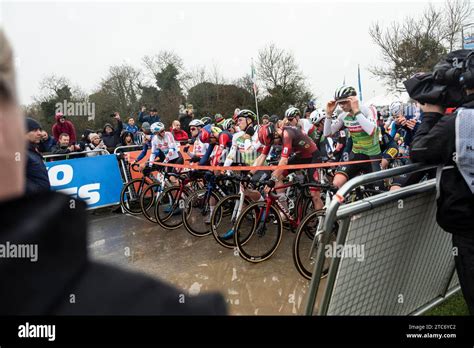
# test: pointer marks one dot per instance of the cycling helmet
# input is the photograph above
(157, 127)
(215, 130)
(206, 120)
(396, 108)
(218, 118)
(292, 112)
(228, 124)
(247, 114)
(317, 116)
(266, 134)
(196, 123)
(344, 92)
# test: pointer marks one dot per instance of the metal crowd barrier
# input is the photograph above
(407, 265)
(127, 176)
(66, 156)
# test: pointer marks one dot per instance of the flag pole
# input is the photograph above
(255, 92)
(360, 82)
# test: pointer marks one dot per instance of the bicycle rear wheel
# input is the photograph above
(130, 196)
(257, 235)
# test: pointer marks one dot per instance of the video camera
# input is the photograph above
(445, 85)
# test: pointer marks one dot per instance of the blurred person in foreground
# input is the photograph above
(62, 266)
(448, 141)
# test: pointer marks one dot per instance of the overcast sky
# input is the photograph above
(81, 40)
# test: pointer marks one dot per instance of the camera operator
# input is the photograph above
(448, 141)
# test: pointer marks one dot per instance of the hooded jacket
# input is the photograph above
(111, 140)
(179, 135)
(63, 267)
(65, 127)
(434, 143)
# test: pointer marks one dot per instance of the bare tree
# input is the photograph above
(278, 68)
(456, 14)
(194, 76)
(417, 44)
(156, 63)
(123, 83)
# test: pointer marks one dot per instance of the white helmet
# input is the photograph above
(317, 116)
(157, 127)
(396, 108)
(196, 123)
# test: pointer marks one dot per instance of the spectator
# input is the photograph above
(64, 146)
(186, 119)
(265, 119)
(37, 179)
(63, 126)
(46, 143)
(95, 144)
(178, 134)
(126, 139)
(85, 139)
(446, 140)
(131, 126)
(110, 135)
(140, 135)
(64, 266)
(151, 118)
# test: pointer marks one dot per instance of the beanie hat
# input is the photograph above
(32, 124)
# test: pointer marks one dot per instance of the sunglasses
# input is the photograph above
(192, 128)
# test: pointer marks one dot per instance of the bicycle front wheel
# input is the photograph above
(148, 200)
(304, 251)
(258, 234)
(130, 196)
(169, 207)
(196, 214)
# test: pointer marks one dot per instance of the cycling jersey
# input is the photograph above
(245, 149)
(308, 128)
(165, 144)
(201, 143)
(295, 141)
(221, 148)
(363, 130)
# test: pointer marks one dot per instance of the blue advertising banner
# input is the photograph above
(468, 37)
(95, 180)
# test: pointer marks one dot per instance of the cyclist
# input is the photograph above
(201, 135)
(297, 148)
(361, 121)
(164, 146)
(293, 115)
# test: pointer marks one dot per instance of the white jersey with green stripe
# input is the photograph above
(362, 128)
(244, 149)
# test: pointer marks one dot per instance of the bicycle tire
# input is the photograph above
(147, 204)
(220, 214)
(194, 212)
(304, 262)
(130, 198)
(245, 241)
(170, 218)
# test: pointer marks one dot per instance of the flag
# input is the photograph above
(254, 79)
(360, 82)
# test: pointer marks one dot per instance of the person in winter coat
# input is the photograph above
(46, 143)
(37, 179)
(178, 134)
(63, 126)
(95, 144)
(111, 135)
(126, 139)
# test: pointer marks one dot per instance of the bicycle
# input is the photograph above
(263, 220)
(198, 204)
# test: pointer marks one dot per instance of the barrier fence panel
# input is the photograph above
(398, 260)
(96, 180)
